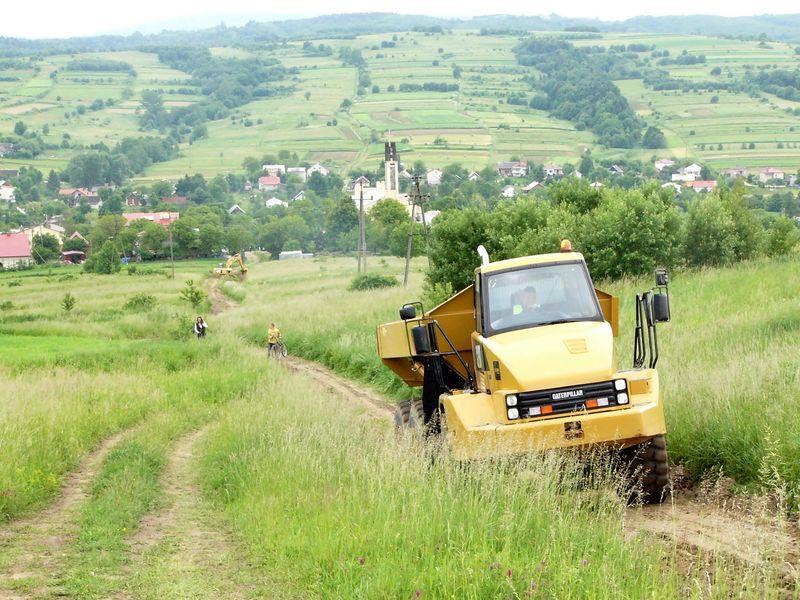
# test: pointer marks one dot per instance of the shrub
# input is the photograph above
(192, 294)
(14, 283)
(68, 302)
(140, 301)
(371, 281)
(6, 305)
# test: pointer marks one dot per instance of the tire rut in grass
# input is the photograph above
(219, 301)
(34, 544)
(182, 550)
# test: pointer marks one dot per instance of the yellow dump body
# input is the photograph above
(552, 367)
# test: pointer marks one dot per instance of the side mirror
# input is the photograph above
(422, 341)
(660, 308)
(407, 312)
(662, 277)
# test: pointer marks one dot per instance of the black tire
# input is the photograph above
(416, 417)
(401, 415)
(284, 351)
(649, 471)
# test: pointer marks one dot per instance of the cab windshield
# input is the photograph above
(539, 295)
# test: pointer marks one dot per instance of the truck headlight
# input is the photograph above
(622, 398)
(513, 413)
(511, 400)
(620, 385)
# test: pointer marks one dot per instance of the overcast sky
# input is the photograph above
(56, 18)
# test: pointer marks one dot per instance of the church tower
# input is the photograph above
(392, 166)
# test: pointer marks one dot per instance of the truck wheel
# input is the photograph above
(647, 465)
(401, 415)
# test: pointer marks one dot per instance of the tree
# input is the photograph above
(342, 219)
(45, 248)
(75, 244)
(106, 228)
(112, 202)
(452, 246)
(710, 236)
(211, 237)
(53, 182)
(307, 96)
(20, 128)
(153, 240)
(154, 115)
(105, 261)
(654, 138)
(68, 302)
(783, 236)
(192, 294)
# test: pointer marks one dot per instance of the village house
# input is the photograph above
(512, 169)
(15, 250)
(268, 183)
(248, 186)
(134, 199)
(577, 174)
(474, 176)
(552, 170)
(299, 172)
(7, 191)
(77, 236)
(663, 163)
(616, 170)
(595, 185)
(533, 185)
(6, 148)
(301, 195)
(361, 181)
(406, 174)
(73, 196)
(702, 186)
(371, 195)
(46, 228)
(682, 176)
(274, 170)
(317, 168)
(7, 174)
(434, 177)
(273, 202)
(236, 210)
(735, 172)
(508, 191)
(672, 185)
(162, 218)
(770, 174)
(430, 215)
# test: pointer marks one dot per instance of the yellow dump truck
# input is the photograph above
(524, 359)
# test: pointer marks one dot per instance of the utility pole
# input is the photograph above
(417, 199)
(171, 248)
(362, 236)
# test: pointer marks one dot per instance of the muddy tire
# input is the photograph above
(648, 470)
(401, 415)
(416, 417)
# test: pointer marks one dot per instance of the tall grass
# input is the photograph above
(333, 505)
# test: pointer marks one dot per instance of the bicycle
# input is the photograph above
(278, 350)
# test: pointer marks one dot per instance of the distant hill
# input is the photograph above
(777, 27)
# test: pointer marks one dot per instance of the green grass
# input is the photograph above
(478, 127)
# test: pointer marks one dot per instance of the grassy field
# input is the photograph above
(319, 499)
(473, 126)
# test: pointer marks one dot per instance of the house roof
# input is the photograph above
(269, 180)
(14, 245)
(771, 170)
(236, 209)
(531, 185)
(175, 200)
(162, 218)
(702, 184)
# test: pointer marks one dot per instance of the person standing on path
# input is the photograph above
(273, 340)
(200, 327)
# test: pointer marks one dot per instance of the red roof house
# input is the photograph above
(702, 186)
(15, 250)
(269, 182)
(175, 200)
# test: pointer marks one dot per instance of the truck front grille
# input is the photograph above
(567, 399)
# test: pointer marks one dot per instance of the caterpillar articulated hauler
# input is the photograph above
(524, 359)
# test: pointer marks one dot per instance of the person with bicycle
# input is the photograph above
(274, 340)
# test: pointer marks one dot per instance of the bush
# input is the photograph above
(192, 294)
(371, 281)
(68, 302)
(140, 301)
(14, 283)
(6, 305)
(105, 261)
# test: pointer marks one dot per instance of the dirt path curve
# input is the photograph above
(219, 301)
(375, 405)
(182, 547)
(31, 546)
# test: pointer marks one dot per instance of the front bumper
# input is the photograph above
(621, 427)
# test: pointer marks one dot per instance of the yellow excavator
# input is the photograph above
(523, 359)
(233, 267)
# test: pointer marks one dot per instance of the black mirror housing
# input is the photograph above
(661, 308)
(422, 340)
(408, 311)
(662, 277)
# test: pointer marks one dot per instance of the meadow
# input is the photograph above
(473, 126)
(320, 499)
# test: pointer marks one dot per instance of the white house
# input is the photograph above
(317, 168)
(474, 176)
(595, 185)
(301, 195)
(577, 174)
(434, 177)
(663, 163)
(616, 170)
(276, 170)
(735, 172)
(7, 191)
(299, 172)
(552, 170)
(703, 186)
(512, 169)
(771, 173)
(694, 169)
(273, 202)
(508, 191)
(672, 185)
(682, 176)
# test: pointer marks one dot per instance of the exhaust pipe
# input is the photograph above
(484, 255)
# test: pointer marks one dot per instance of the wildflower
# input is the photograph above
(361, 560)
(533, 585)
(585, 562)
(494, 566)
(544, 563)
(417, 593)
(509, 573)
